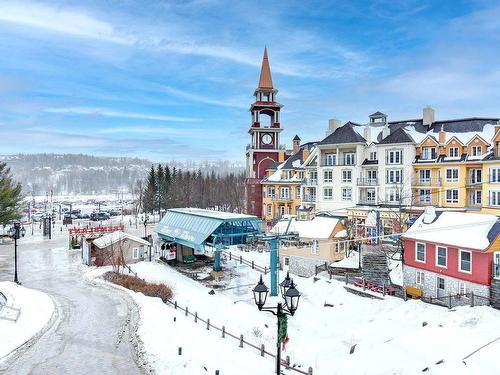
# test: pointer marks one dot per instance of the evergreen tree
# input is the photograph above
(10, 196)
(150, 191)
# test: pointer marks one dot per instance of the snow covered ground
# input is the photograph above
(36, 310)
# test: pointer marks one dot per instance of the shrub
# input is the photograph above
(137, 284)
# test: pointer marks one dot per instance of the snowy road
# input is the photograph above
(91, 332)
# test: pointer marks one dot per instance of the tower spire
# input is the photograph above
(265, 81)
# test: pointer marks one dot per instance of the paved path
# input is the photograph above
(90, 335)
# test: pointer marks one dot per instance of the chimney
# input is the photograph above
(296, 144)
(367, 134)
(333, 124)
(442, 136)
(386, 131)
(428, 116)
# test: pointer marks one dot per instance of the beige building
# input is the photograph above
(114, 248)
(319, 240)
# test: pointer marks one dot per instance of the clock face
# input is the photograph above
(267, 139)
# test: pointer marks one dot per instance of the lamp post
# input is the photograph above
(291, 296)
(16, 232)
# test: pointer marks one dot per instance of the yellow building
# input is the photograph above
(281, 187)
(458, 171)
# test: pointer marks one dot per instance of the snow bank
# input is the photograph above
(36, 310)
(351, 262)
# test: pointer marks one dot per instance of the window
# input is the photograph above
(441, 256)
(349, 159)
(346, 175)
(331, 159)
(287, 261)
(372, 156)
(425, 175)
(462, 288)
(394, 157)
(419, 278)
(453, 152)
(135, 253)
(494, 174)
(494, 198)
(476, 197)
(297, 192)
(327, 176)
(465, 264)
(313, 175)
(477, 150)
(428, 153)
(270, 192)
(475, 176)
(393, 195)
(300, 175)
(346, 194)
(420, 252)
(269, 210)
(370, 195)
(452, 196)
(424, 195)
(394, 176)
(328, 193)
(372, 176)
(285, 192)
(282, 210)
(452, 175)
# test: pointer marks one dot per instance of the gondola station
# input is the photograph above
(188, 233)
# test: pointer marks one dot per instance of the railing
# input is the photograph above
(239, 258)
(474, 181)
(311, 182)
(240, 338)
(309, 198)
(367, 181)
(427, 181)
(367, 201)
(494, 179)
(282, 198)
(333, 163)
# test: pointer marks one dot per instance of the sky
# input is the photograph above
(167, 80)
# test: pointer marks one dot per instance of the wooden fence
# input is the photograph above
(447, 301)
(240, 338)
(249, 263)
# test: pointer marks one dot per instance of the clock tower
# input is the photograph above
(264, 131)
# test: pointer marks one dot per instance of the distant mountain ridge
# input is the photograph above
(88, 174)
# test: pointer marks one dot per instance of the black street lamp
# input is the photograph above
(16, 232)
(291, 296)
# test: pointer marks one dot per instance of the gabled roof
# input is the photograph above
(397, 136)
(296, 138)
(319, 228)
(343, 134)
(265, 81)
(454, 138)
(477, 136)
(459, 229)
(378, 114)
(429, 137)
(114, 237)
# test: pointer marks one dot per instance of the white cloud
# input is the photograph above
(105, 112)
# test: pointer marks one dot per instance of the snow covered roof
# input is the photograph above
(460, 229)
(212, 214)
(318, 228)
(114, 237)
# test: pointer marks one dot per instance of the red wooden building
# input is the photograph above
(452, 253)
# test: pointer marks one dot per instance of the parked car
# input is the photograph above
(114, 213)
(98, 216)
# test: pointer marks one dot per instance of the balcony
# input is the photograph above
(309, 198)
(310, 182)
(427, 182)
(281, 198)
(367, 201)
(334, 163)
(367, 181)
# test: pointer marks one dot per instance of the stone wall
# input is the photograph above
(451, 287)
(302, 266)
(495, 293)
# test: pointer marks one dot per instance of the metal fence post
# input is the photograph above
(196, 317)
(471, 299)
(241, 259)
(230, 256)
(223, 331)
(310, 371)
(364, 283)
(241, 341)
(187, 311)
(208, 323)
(346, 278)
(287, 361)
(253, 265)
(449, 301)
(262, 350)
(383, 289)
(175, 305)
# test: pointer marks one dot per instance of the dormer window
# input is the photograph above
(372, 156)
(477, 150)
(453, 152)
(428, 153)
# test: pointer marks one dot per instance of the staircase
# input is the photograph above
(375, 268)
(495, 293)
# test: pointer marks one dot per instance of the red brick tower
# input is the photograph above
(265, 130)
